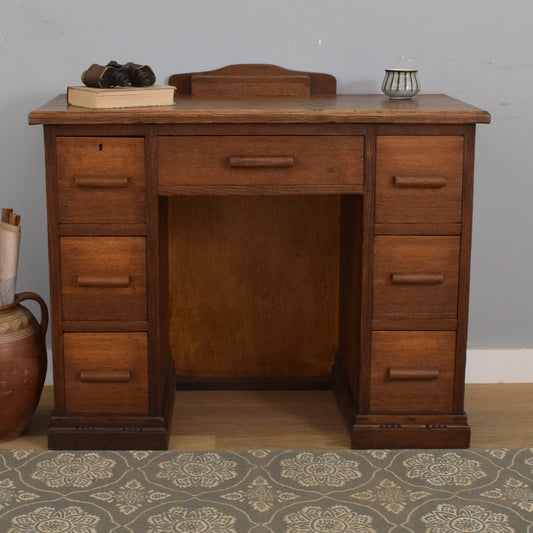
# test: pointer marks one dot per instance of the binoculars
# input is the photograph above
(115, 75)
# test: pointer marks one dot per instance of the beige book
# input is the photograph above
(117, 97)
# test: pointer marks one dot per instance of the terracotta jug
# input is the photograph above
(22, 364)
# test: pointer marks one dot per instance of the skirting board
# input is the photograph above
(483, 365)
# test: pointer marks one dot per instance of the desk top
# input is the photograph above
(341, 108)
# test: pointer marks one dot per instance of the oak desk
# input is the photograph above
(400, 176)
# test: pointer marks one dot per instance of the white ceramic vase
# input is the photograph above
(400, 83)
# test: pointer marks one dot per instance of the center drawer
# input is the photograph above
(252, 160)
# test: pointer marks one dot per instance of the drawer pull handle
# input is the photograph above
(417, 279)
(105, 376)
(110, 183)
(414, 374)
(261, 162)
(106, 282)
(420, 183)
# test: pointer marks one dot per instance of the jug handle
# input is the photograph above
(44, 310)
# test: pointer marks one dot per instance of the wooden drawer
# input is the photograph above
(415, 277)
(412, 371)
(252, 160)
(106, 372)
(103, 278)
(101, 179)
(419, 179)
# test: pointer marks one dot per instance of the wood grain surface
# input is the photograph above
(253, 160)
(371, 108)
(419, 179)
(253, 285)
(400, 362)
(106, 372)
(103, 278)
(416, 258)
(101, 180)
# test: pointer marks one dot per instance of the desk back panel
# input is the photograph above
(254, 285)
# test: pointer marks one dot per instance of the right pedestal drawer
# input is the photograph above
(418, 212)
(419, 179)
(412, 371)
(415, 276)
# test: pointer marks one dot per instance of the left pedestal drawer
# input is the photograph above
(106, 372)
(103, 278)
(101, 180)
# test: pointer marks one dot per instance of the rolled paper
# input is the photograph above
(9, 257)
(5, 214)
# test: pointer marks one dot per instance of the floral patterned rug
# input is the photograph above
(260, 491)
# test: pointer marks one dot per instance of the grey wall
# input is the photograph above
(480, 51)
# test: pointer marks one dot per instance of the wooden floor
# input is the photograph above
(500, 417)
